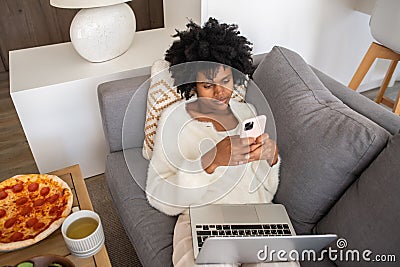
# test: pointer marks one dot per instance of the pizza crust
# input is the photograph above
(52, 227)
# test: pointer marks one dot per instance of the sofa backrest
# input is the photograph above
(361, 104)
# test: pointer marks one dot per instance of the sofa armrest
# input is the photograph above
(361, 104)
(114, 98)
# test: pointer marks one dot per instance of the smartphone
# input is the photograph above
(253, 127)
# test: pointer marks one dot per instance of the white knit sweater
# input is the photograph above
(176, 179)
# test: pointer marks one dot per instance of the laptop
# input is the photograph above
(248, 233)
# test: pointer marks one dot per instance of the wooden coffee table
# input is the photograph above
(54, 243)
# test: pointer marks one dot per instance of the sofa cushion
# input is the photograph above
(162, 93)
(324, 145)
(149, 230)
(363, 105)
(119, 174)
(367, 215)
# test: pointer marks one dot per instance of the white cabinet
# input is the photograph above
(54, 91)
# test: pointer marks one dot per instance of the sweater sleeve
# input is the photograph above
(174, 182)
(265, 176)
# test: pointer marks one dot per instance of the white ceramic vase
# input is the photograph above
(102, 33)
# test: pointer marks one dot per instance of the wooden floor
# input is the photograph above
(391, 92)
(15, 155)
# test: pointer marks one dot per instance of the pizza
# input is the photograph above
(32, 206)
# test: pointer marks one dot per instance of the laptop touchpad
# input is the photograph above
(242, 214)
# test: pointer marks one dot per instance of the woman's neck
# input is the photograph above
(223, 120)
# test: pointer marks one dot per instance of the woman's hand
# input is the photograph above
(230, 151)
(264, 149)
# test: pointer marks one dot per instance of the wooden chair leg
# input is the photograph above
(364, 66)
(396, 108)
(376, 50)
(386, 81)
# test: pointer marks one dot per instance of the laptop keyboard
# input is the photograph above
(240, 230)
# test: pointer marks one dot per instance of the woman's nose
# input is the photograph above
(218, 89)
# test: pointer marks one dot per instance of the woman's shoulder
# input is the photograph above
(177, 109)
(242, 109)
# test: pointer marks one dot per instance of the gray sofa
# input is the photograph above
(340, 160)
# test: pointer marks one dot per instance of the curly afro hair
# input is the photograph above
(215, 42)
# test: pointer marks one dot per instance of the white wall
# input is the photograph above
(365, 6)
(178, 12)
(330, 35)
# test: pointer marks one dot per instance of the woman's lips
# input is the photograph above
(222, 101)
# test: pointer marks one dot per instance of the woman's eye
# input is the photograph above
(226, 81)
(207, 86)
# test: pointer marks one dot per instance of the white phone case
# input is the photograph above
(253, 127)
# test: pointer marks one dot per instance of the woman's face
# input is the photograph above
(215, 92)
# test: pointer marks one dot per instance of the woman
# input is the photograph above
(198, 156)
